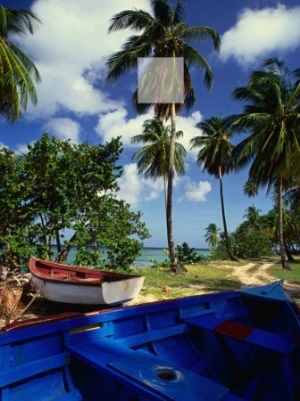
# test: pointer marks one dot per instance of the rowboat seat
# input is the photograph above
(242, 332)
(58, 275)
(146, 372)
(88, 279)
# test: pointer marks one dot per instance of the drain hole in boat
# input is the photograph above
(166, 374)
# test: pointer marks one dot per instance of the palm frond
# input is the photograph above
(162, 11)
(16, 68)
(125, 61)
(179, 13)
(135, 19)
(215, 154)
(16, 21)
(161, 35)
(152, 159)
(204, 33)
(194, 58)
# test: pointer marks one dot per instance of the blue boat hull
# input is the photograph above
(229, 346)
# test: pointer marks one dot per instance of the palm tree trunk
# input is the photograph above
(176, 265)
(283, 256)
(58, 242)
(165, 190)
(227, 242)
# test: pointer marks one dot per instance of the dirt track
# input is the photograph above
(248, 274)
(247, 277)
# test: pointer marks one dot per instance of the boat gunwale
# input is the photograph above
(115, 312)
(99, 276)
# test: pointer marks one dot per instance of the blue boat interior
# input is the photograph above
(228, 346)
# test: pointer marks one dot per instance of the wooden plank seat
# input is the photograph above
(146, 373)
(242, 332)
(62, 274)
(69, 275)
(33, 368)
(87, 279)
(154, 335)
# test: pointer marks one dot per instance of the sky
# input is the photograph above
(70, 49)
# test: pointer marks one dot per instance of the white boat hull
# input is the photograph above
(108, 293)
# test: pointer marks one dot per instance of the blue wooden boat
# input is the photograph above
(229, 346)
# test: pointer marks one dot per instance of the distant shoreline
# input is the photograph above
(159, 254)
(165, 247)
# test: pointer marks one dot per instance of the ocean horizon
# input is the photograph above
(158, 254)
(146, 255)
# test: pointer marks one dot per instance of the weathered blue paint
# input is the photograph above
(230, 346)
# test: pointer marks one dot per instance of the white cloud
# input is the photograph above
(258, 33)
(116, 123)
(70, 49)
(196, 191)
(135, 189)
(64, 128)
(188, 126)
(22, 148)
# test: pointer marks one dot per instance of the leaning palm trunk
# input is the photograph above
(283, 256)
(165, 189)
(176, 265)
(227, 242)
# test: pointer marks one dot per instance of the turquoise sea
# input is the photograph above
(158, 254)
(144, 259)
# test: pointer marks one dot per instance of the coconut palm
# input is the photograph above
(250, 189)
(215, 156)
(252, 216)
(212, 235)
(163, 34)
(152, 159)
(16, 68)
(271, 115)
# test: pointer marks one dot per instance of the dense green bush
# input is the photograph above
(59, 186)
(189, 255)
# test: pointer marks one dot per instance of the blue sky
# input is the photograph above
(70, 49)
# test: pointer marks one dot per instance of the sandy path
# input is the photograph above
(245, 275)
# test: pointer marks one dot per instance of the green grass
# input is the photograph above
(292, 275)
(204, 277)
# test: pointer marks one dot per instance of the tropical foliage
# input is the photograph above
(253, 237)
(271, 118)
(215, 156)
(212, 235)
(61, 188)
(163, 34)
(189, 255)
(153, 158)
(17, 70)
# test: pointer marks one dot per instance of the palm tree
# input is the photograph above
(163, 34)
(16, 68)
(271, 115)
(152, 159)
(253, 217)
(250, 189)
(215, 156)
(212, 235)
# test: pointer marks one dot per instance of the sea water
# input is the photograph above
(145, 257)
(159, 255)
